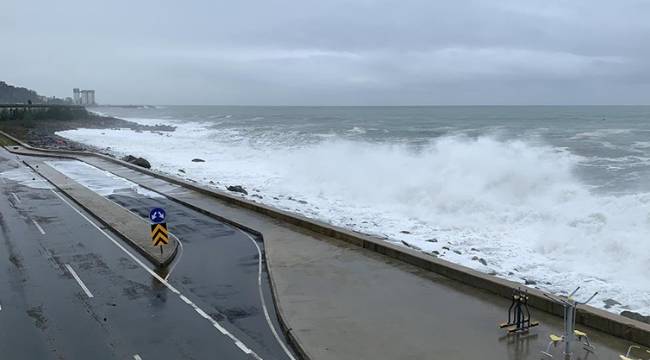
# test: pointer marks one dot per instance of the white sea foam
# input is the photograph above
(150, 122)
(26, 177)
(600, 133)
(641, 144)
(357, 130)
(96, 112)
(517, 205)
(99, 181)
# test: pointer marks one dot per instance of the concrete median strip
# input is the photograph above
(129, 226)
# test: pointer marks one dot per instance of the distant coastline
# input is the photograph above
(38, 126)
(128, 106)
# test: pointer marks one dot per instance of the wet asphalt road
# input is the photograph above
(123, 312)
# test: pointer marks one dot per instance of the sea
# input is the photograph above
(555, 197)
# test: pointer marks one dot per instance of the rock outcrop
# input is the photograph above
(636, 316)
(142, 162)
(238, 189)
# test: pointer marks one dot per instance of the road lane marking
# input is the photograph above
(38, 227)
(202, 313)
(259, 278)
(169, 286)
(266, 311)
(137, 357)
(81, 283)
(178, 256)
(16, 197)
(220, 328)
(243, 347)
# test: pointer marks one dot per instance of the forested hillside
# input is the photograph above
(11, 94)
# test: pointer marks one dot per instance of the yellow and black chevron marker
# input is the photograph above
(159, 234)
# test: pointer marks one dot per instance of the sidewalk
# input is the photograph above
(341, 301)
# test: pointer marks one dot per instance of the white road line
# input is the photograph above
(220, 328)
(259, 280)
(81, 283)
(16, 197)
(169, 286)
(178, 256)
(137, 357)
(266, 311)
(243, 347)
(38, 227)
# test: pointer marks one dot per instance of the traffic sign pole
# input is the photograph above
(159, 232)
(157, 215)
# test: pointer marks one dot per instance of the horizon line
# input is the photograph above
(396, 106)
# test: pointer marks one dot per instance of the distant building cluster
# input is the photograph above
(83, 97)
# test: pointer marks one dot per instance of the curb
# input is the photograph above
(613, 324)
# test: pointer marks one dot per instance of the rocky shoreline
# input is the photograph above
(42, 132)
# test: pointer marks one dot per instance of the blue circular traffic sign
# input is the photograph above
(157, 215)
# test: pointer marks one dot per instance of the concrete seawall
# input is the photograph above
(604, 321)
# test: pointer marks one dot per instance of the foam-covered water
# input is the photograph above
(556, 196)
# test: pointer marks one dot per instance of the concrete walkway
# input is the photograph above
(341, 301)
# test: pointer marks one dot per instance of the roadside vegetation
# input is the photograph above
(56, 113)
(5, 141)
(38, 125)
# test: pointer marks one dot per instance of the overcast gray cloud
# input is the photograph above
(332, 52)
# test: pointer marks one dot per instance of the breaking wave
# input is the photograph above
(511, 207)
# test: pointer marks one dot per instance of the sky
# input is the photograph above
(331, 52)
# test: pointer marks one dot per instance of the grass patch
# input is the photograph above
(5, 141)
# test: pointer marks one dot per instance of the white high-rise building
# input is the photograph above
(83, 97)
(76, 96)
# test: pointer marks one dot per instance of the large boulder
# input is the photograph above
(636, 316)
(238, 189)
(142, 162)
(129, 158)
